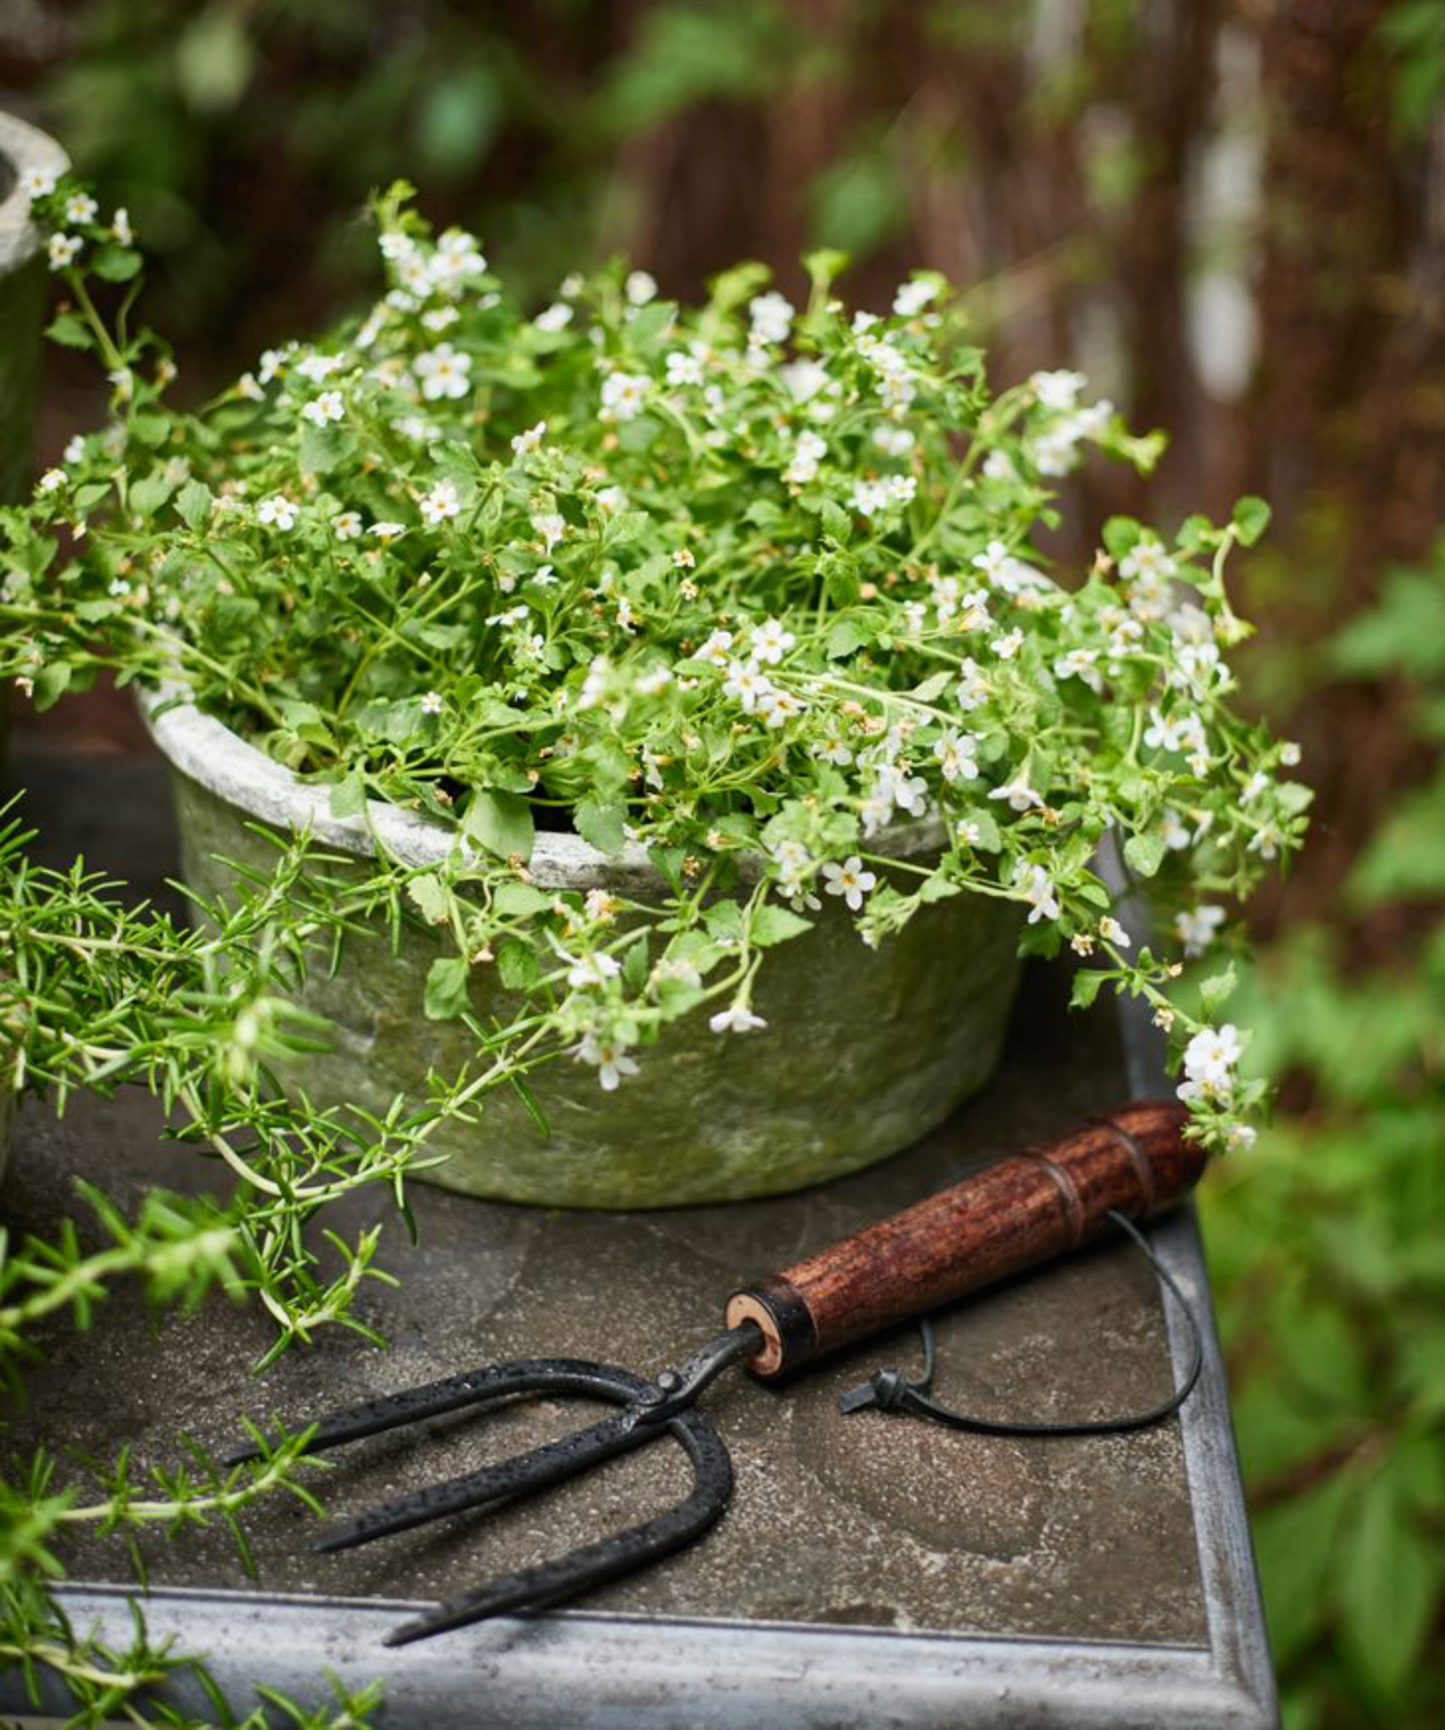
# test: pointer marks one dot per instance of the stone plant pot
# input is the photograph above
(864, 1051)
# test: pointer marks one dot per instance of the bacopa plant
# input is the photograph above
(741, 580)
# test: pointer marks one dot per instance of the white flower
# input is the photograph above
(683, 369)
(589, 970)
(513, 616)
(833, 750)
(912, 297)
(894, 441)
(870, 497)
(346, 526)
(715, 649)
(956, 754)
(776, 707)
(968, 832)
(738, 1019)
(63, 250)
(315, 367)
(972, 688)
(119, 588)
(525, 443)
(640, 288)
(394, 244)
(771, 641)
(571, 285)
(551, 526)
(624, 394)
(387, 531)
(656, 678)
(808, 452)
(271, 365)
(1241, 1137)
(80, 207)
(1289, 752)
(1057, 391)
(50, 481)
(610, 499)
(1146, 558)
(1173, 833)
(849, 880)
(803, 379)
(747, 682)
(431, 703)
(329, 406)
(277, 512)
(772, 318)
(37, 182)
(998, 466)
(683, 559)
(544, 577)
(439, 504)
(611, 1060)
(1020, 796)
(1079, 664)
(1198, 928)
(1209, 1061)
(1113, 932)
(249, 387)
(439, 318)
(556, 318)
(1036, 887)
(74, 452)
(1008, 645)
(443, 372)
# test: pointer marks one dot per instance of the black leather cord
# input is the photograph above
(891, 1390)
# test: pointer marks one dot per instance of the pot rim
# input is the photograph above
(209, 753)
(23, 146)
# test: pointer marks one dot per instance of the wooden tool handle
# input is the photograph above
(1027, 1209)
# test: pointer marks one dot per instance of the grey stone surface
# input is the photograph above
(864, 1050)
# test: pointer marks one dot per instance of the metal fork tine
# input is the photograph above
(519, 1475)
(594, 1564)
(430, 1400)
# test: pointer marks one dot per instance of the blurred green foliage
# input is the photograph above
(1027, 145)
(1328, 1241)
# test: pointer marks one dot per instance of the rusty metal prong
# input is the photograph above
(594, 1564)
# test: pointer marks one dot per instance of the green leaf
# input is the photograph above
(1389, 1586)
(844, 637)
(348, 797)
(1144, 854)
(836, 522)
(500, 822)
(115, 263)
(517, 965)
(771, 924)
(149, 493)
(1086, 988)
(193, 502)
(1218, 988)
(599, 822)
(430, 897)
(446, 989)
(933, 686)
(51, 683)
(70, 331)
(520, 900)
(1121, 536)
(324, 448)
(1251, 519)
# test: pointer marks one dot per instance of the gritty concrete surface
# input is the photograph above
(876, 1521)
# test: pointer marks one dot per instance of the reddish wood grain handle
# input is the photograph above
(1027, 1209)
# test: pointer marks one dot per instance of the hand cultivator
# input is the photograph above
(1022, 1211)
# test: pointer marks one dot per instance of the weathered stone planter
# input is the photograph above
(863, 1051)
